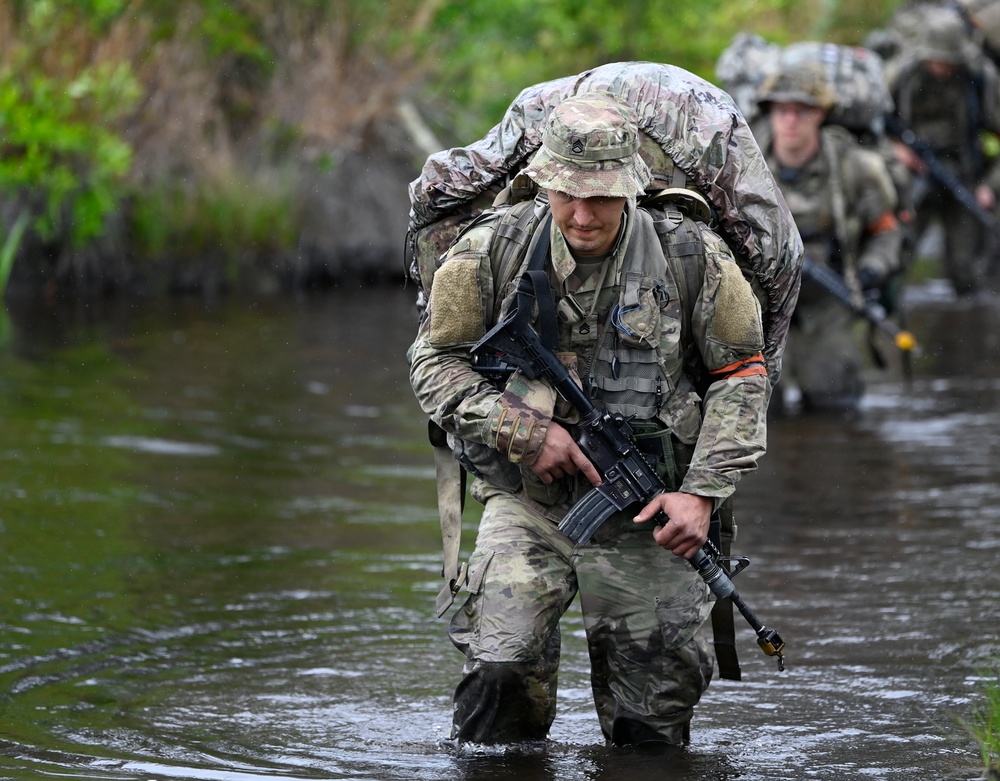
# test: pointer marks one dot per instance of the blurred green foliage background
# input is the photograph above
(196, 125)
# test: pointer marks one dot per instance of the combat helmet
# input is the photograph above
(943, 37)
(802, 83)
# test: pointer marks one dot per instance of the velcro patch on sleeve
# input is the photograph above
(456, 305)
(736, 319)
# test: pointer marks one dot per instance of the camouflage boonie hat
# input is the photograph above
(802, 83)
(590, 149)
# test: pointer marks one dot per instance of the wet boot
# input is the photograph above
(627, 731)
(504, 703)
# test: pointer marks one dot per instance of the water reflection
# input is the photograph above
(219, 554)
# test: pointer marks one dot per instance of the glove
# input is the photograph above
(518, 422)
(869, 279)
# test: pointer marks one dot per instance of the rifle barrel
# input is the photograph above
(874, 313)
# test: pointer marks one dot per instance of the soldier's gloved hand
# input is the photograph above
(869, 279)
(516, 426)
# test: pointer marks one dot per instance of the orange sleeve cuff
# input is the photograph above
(887, 222)
(748, 367)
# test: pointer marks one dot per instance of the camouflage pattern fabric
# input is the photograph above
(727, 421)
(643, 610)
(855, 74)
(823, 358)
(857, 77)
(985, 17)
(950, 113)
(521, 418)
(803, 83)
(589, 149)
(701, 131)
(932, 31)
(742, 68)
(838, 199)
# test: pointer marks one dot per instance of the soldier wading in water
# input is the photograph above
(683, 357)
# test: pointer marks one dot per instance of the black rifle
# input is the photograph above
(942, 174)
(627, 477)
(872, 311)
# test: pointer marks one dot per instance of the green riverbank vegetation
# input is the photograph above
(985, 723)
(190, 144)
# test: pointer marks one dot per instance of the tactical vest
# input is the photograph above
(658, 380)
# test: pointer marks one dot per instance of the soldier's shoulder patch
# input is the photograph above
(737, 318)
(456, 303)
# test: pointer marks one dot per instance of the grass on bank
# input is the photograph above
(8, 249)
(985, 722)
(240, 220)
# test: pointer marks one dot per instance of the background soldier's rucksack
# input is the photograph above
(983, 17)
(855, 74)
(694, 137)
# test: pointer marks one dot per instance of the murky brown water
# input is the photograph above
(219, 554)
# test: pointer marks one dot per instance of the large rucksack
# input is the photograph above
(855, 74)
(694, 137)
(984, 17)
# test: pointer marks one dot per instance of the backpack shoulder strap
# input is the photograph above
(510, 242)
(684, 250)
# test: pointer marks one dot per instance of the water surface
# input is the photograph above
(219, 554)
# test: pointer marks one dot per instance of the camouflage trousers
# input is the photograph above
(644, 612)
(967, 246)
(823, 356)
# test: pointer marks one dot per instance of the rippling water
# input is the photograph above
(219, 555)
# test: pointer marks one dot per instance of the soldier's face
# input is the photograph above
(795, 124)
(941, 70)
(590, 225)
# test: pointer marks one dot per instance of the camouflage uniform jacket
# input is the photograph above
(724, 425)
(844, 202)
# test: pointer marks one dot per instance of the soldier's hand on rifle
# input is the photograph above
(686, 528)
(560, 456)
(909, 158)
(986, 198)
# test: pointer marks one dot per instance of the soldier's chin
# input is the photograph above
(590, 245)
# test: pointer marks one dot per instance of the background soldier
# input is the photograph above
(648, 344)
(843, 200)
(946, 93)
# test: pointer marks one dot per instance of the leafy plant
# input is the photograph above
(58, 149)
(231, 219)
(494, 48)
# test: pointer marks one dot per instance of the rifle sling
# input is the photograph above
(451, 478)
(534, 283)
(723, 624)
(724, 640)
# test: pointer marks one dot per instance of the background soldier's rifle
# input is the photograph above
(627, 478)
(872, 311)
(943, 175)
